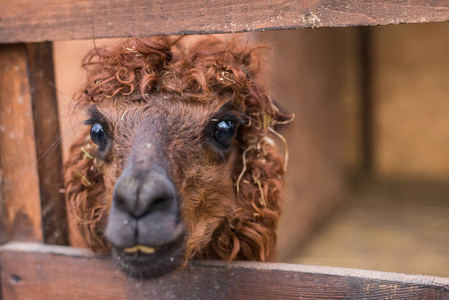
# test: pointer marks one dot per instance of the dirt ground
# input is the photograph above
(396, 226)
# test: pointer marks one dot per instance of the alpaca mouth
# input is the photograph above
(143, 261)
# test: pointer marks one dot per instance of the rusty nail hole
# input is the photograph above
(16, 278)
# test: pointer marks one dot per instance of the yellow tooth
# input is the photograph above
(132, 249)
(146, 249)
(141, 248)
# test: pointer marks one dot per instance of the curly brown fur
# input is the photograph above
(231, 199)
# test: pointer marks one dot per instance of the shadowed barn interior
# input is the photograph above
(368, 171)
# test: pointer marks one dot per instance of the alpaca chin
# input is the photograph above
(164, 260)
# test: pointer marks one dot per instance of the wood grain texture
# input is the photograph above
(18, 148)
(32, 271)
(50, 20)
(48, 147)
(3, 238)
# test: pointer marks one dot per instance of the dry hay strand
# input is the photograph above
(244, 166)
(84, 180)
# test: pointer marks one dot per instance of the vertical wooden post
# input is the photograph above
(366, 105)
(3, 238)
(27, 114)
(18, 147)
(48, 142)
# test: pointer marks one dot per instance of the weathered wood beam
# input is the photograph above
(48, 142)
(33, 206)
(32, 271)
(49, 20)
(18, 147)
(3, 238)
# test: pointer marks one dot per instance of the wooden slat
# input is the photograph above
(3, 238)
(35, 21)
(18, 148)
(367, 145)
(32, 271)
(48, 147)
(31, 162)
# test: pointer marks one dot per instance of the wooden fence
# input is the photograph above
(33, 208)
(36, 271)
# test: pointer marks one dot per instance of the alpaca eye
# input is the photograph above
(98, 135)
(224, 132)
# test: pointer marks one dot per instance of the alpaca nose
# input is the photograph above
(141, 193)
(144, 210)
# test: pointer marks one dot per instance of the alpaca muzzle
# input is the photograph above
(144, 225)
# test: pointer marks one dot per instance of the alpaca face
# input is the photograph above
(180, 162)
(168, 165)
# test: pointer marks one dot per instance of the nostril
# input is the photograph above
(120, 202)
(158, 204)
(159, 201)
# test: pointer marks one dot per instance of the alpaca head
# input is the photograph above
(180, 160)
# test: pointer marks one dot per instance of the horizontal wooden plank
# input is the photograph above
(51, 20)
(34, 271)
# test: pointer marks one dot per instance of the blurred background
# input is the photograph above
(368, 179)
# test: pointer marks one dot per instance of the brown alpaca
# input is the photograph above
(178, 161)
